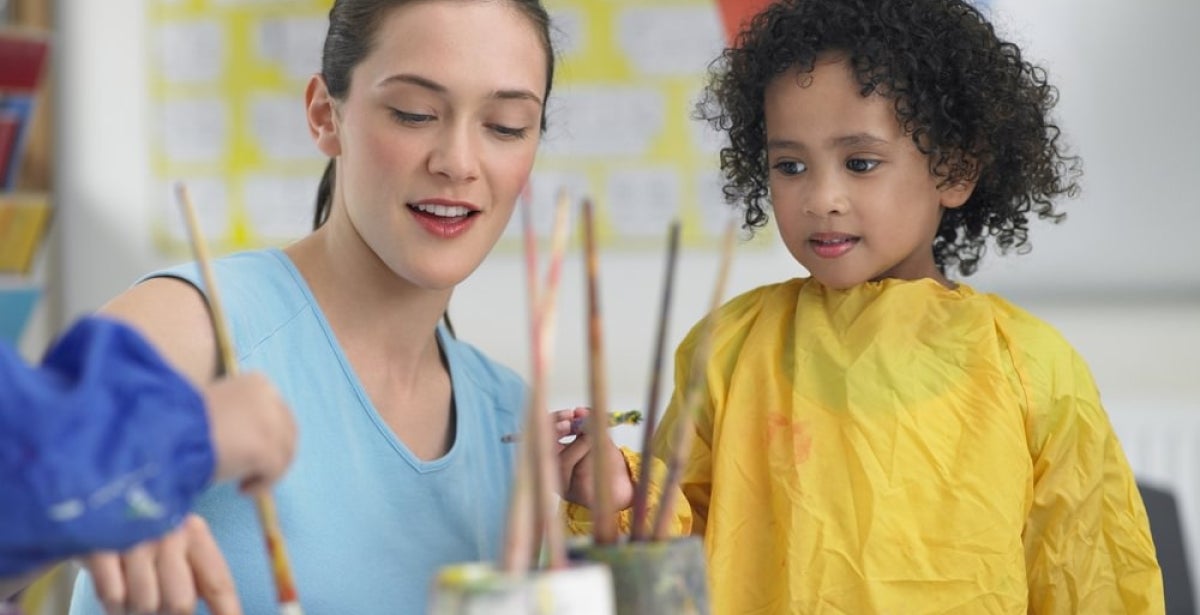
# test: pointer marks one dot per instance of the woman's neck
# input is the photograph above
(370, 308)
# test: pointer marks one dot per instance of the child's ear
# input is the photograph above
(322, 117)
(954, 195)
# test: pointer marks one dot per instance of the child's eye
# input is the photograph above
(790, 167)
(412, 119)
(509, 132)
(861, 165)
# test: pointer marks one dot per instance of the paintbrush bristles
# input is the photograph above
(684, 431)
(285, 587)
(604, 523)
(642, 488)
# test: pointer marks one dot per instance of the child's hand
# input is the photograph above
(253, 432)
(575, 463)
(167, 575)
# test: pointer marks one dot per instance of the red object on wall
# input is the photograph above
(735, 13)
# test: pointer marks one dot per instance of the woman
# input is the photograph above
(431, 112)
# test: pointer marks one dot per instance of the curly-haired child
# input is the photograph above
(877, 438)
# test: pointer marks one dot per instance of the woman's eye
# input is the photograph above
(509, 131)
(790, 167)
(414, 119)
(861, 165)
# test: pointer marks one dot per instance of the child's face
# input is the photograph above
(853, 196)
(437, 135)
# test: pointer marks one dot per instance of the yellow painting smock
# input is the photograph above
(901, 447)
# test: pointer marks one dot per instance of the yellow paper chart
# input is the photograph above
(227, 79)
(24, 218)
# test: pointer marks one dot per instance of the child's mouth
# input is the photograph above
(832, 245)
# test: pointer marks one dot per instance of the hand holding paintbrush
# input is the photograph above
(577, 465)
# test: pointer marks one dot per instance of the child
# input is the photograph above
(877, 438)
(431, 113)
(105, 446)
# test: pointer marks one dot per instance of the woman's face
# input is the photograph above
(437, 135)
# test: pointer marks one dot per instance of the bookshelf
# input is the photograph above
(26, 261)
(26, 173)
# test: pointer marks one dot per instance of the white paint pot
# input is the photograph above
(480, 589)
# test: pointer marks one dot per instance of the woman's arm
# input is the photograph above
(174, 317)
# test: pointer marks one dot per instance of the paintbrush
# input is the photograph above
(604, 518)
(556, 548)
(642, 488)
(533, 505)
(684, 431)
(519, 535)
(285, 588)
(579, 426)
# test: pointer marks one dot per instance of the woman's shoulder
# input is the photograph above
(170, 307)
(232, 272)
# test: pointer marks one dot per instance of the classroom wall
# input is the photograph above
(1121, 278)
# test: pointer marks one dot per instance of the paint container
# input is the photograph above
(654, 577)
(479, 588)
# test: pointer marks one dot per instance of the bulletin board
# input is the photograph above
(226, 84)
(227, 80)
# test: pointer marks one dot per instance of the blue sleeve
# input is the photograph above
(101, 447)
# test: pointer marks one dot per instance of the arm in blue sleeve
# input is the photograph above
(101, 447)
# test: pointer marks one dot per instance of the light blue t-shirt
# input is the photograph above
(367, 523)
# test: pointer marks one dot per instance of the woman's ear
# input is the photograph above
(322, 117)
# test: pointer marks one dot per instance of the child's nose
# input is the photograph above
(827, 196)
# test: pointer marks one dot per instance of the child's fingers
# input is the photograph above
(567, 422)
(573, 471)
(571, 414)
(562, 429)
(559, 416)
(575, 452)
(175, 581)
(214, 583)
(141, 579)
(108, 580)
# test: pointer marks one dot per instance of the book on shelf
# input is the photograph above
(16, 110)
(23, 56)
(24, 220)
(10, 126)
(16, 307)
